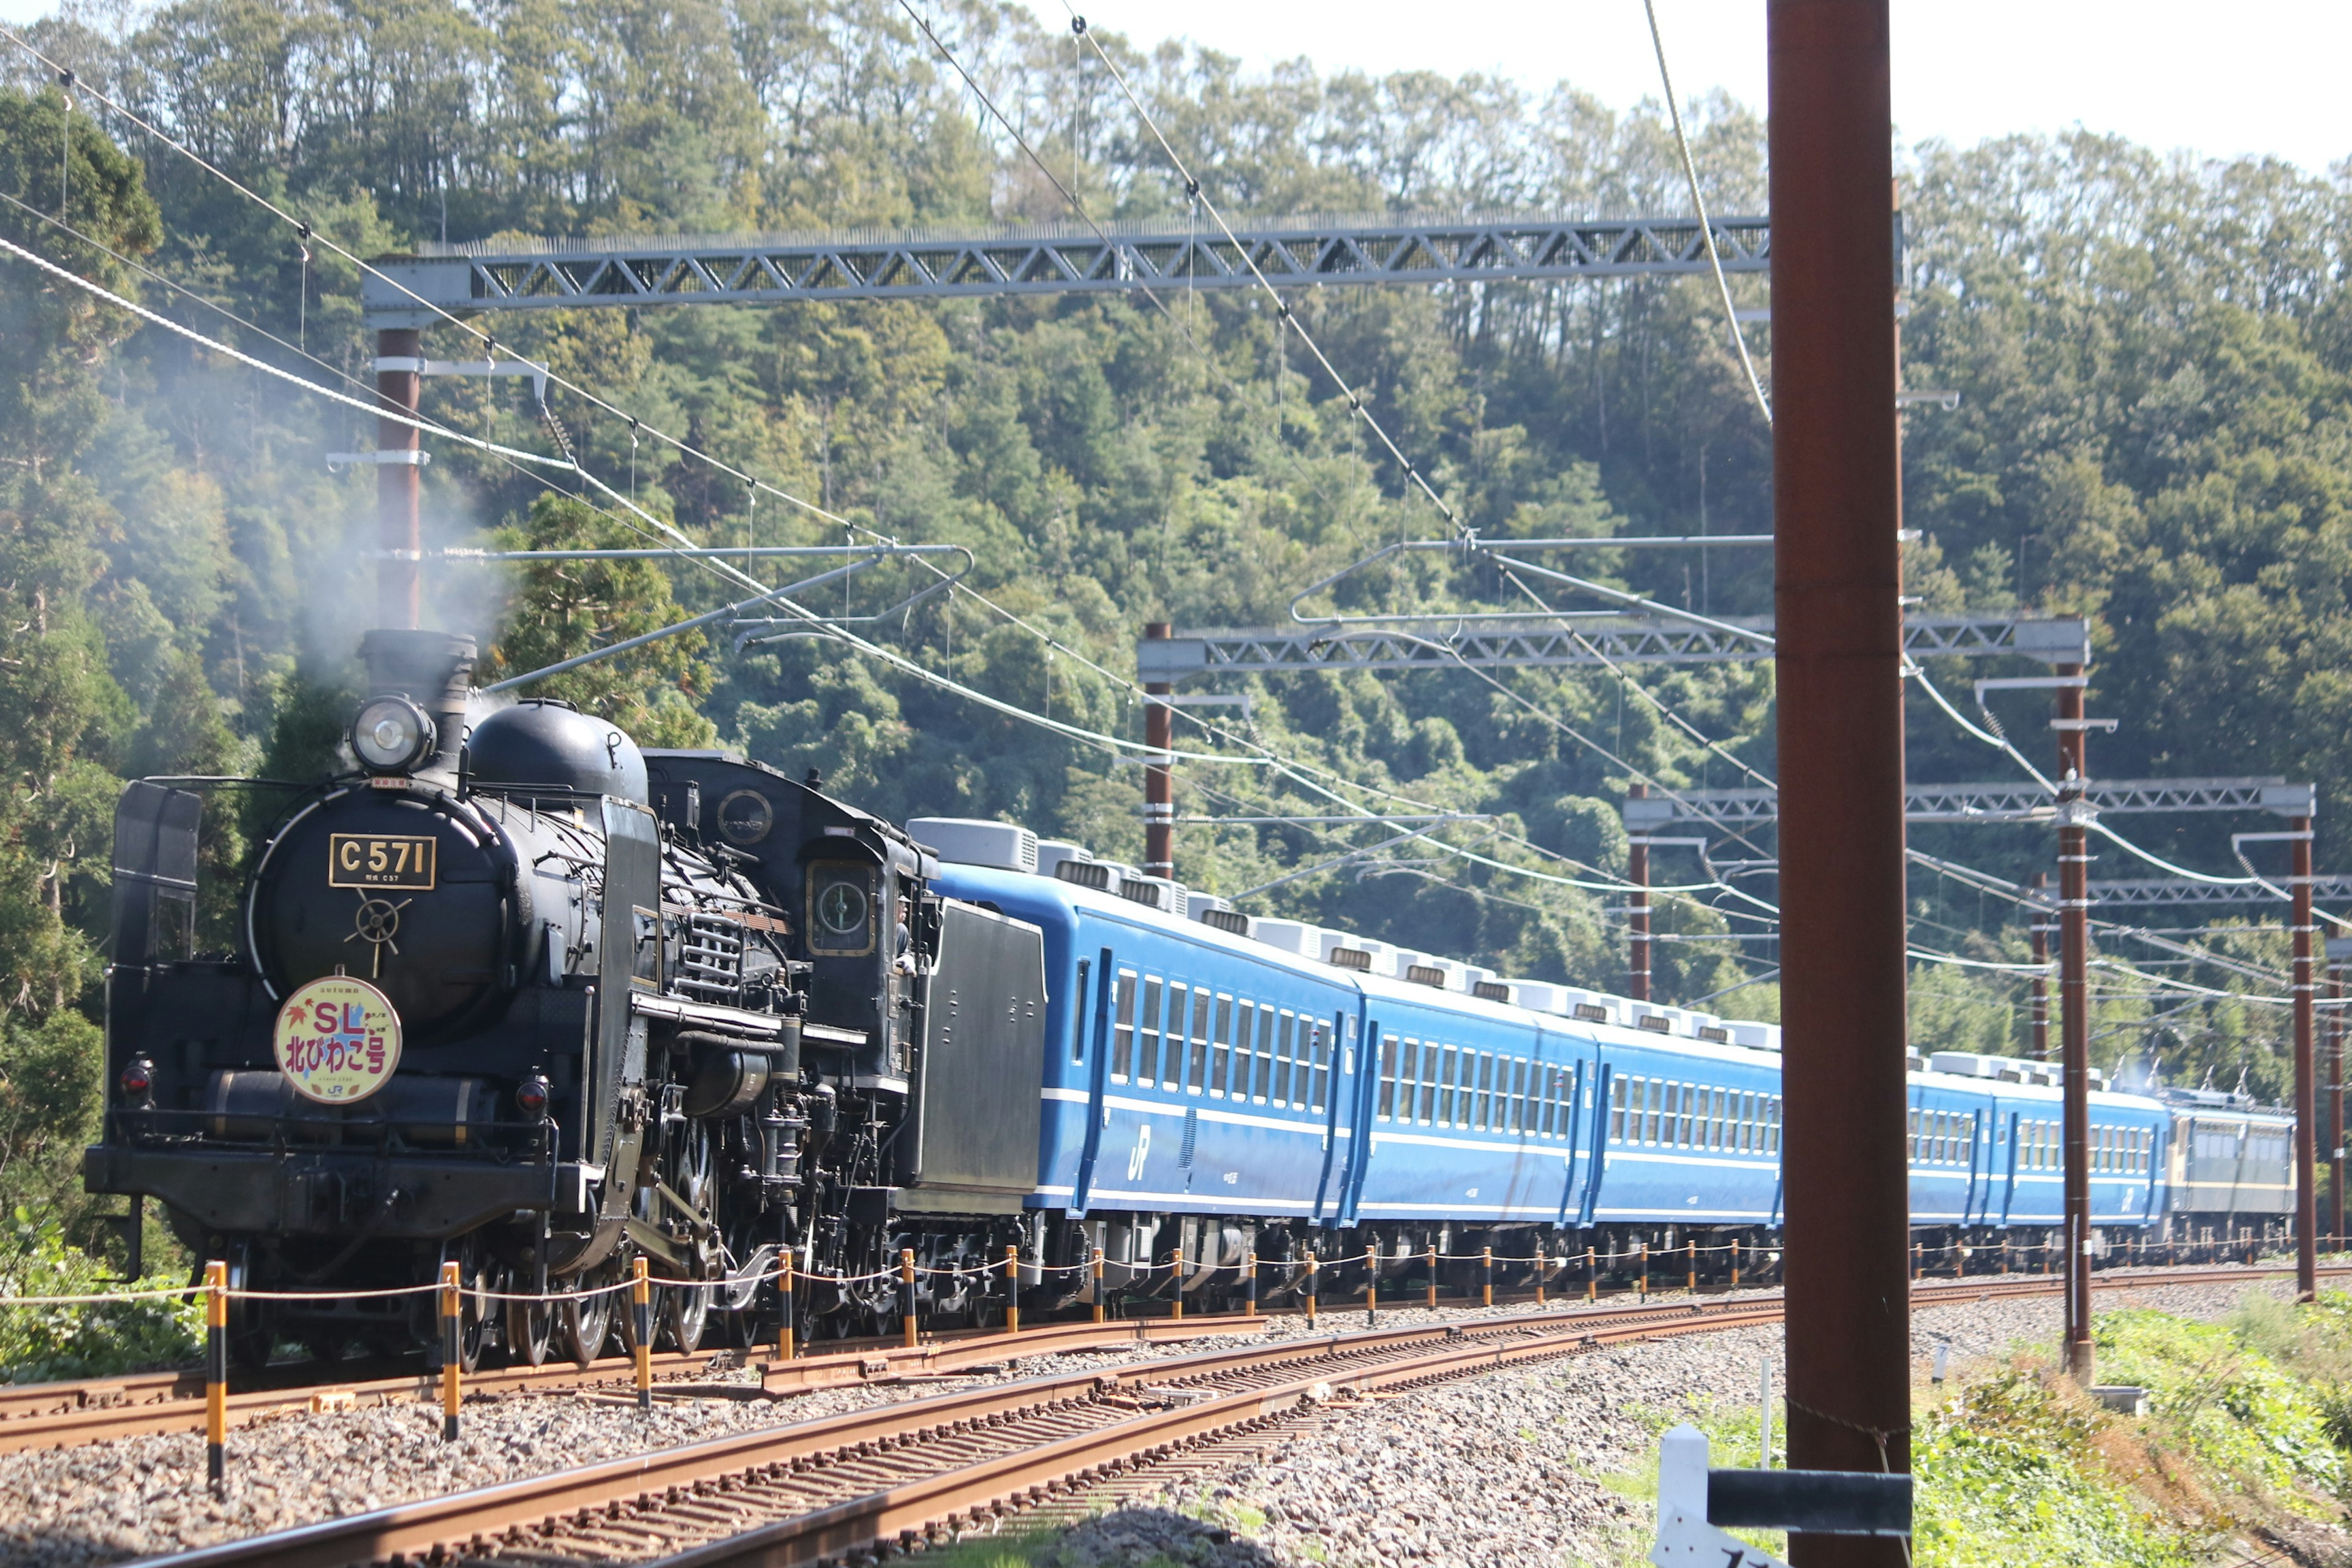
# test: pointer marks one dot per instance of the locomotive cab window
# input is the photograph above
(840, 910)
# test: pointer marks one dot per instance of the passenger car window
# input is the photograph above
(1123, 1052)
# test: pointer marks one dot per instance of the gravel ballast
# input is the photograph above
(1513, 1469)
(1504, 1468)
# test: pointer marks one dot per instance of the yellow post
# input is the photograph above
(1735, 1263)
(641, 1311)
(1312, 1263)
(2004, 1254)
(216, 1375)
(907, 1291)
(1690, 1262)
(1249, 1283)
(1012, 1289)
(1176, 1278)
(1592, 1276)
(1372, 1287)
(1433, 1277)
(1486, 1276)
(452, 1349)
(1539, 1274)
(1643, 1285)
(784, 1349)
(1099, 1285)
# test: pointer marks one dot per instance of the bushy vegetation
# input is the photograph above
(2152, 356)
(2246, 1434)
(38, 1344)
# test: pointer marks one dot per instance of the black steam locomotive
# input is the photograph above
(667, 1005)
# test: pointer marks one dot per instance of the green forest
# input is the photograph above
(2151, 357)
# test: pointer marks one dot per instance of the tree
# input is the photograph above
(561, 609)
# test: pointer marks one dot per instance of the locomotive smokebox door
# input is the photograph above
(973, 1144)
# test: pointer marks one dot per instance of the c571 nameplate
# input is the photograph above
(380, 860)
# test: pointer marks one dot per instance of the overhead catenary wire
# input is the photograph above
(570, 463)
(1994, 737)
(1196, 191)
(307, 233)
(669, 530)
(1706, 228)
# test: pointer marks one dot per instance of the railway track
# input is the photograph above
(58, 1414)
(61, 1415)
(896, 1475)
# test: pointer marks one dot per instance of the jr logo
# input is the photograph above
(1135, 1157)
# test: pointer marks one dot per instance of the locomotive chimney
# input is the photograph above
(433, 669)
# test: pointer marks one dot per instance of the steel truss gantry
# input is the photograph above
(1295, 252)
(1568, 638)
(2173, 892)
(1995, 802)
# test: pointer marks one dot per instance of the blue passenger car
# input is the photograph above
(1216, 1094)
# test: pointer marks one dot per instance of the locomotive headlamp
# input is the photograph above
(392, 735)
(138, 1079)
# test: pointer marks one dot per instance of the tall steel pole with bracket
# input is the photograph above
(1836, 590)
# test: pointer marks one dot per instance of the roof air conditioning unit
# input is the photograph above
(1084, 874)
(1290, 936)
(1490, 991)
(1354, 958)
(968, 841)
(1053, 852)
(1232, 921)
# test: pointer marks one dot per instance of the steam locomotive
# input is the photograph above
(663, 1006)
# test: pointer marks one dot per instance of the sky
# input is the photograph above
(2167, 74)
(2162, 72)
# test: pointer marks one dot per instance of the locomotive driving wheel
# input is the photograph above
(687, 1172)
(583, 1323)
(531, 1320)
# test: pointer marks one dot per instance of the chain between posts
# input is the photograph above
(217, 1294)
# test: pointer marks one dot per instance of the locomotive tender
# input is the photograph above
(678, 1007)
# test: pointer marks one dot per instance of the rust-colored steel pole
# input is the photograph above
(398, 480)
(1637, 907)
(1837, 581)
(2306, 1183)
(2039, 931)
(1159, 778)
(2074, 1019)
(2334, 1025)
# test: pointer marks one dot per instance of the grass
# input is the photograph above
(2249, 1431)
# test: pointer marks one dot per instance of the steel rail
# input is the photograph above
(68, 1412)
(893, 1474)
(58, 1414)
